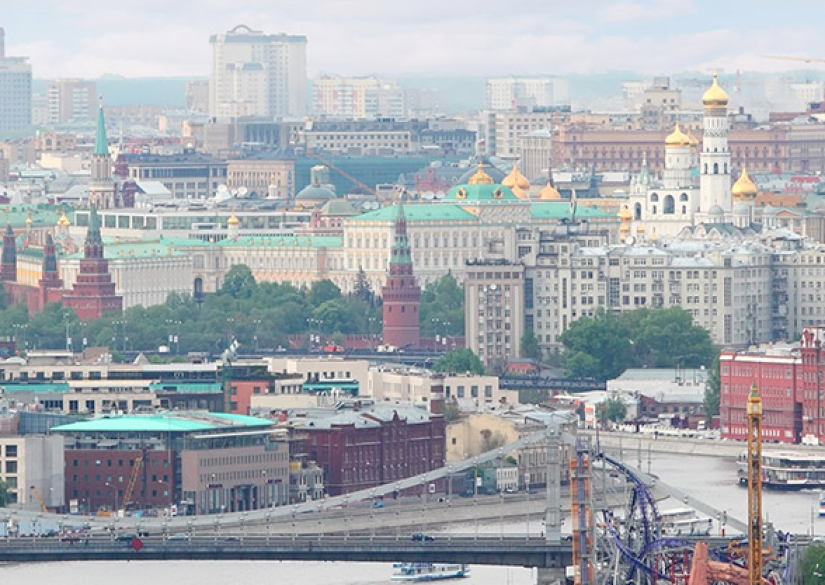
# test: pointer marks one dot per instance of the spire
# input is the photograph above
(93, 247)
(49, 258)
(401, 245)
(101, 142)
(8, 270)
(644, 174)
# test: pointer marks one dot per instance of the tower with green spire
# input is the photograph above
(101, 183)
(401, 293)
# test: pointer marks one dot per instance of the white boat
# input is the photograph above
(428, 571)
(822, 504)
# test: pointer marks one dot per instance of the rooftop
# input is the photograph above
(419, 212)
(179, 423)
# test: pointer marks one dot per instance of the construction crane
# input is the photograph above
(345, 174)
(39, 499)
(130, 488)
(754, 487)
(789, 58)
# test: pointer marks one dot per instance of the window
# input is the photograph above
(11, 450)
(11, 466)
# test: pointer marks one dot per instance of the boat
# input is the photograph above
(822, 504)
(428, 571)
(685, 522)
(787, 470)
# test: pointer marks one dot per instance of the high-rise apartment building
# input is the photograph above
(70, 100)
(255, 74)
(358, 97)
(507, 93)
(15, 89)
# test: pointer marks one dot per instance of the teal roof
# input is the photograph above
(187, 387)
(42, 215)
(481, 192)
(35, 387)
(101, 142)
(419, 212)
(284, 242)
(133, 250)
(163, 423)
(561, 210)
(314, 387)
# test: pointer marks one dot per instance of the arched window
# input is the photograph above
(638, 212)
(669, 206)
(715, 168)
(654, 198)
(683, 197)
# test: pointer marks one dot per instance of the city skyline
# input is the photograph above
(151, 38)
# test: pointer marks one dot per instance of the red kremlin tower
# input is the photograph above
(50, 285)
(401, 293)
(94, 292)
(8, 269)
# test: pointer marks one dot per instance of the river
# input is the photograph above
(712, 480)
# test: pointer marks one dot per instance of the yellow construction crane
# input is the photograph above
(130, 488)
(39, 499)
(754, 487)
(789, 58)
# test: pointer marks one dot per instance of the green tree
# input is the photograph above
(451, 411)
(239, 282)
(530, 346)
(712, 391)
(813, 564)
(6, 497)
(598, 346)
(442, 308)
(459, 361)
(322, 291)
(612, 409)
(362, 288)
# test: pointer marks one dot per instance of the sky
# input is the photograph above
(149, 38)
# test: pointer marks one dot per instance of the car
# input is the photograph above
(378, 504)
(180, 536)
(126, 537)
(421, 537)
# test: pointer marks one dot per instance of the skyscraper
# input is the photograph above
(15, 90)
(70, 100)
(254, 74)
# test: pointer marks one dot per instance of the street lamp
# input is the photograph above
(114, 491)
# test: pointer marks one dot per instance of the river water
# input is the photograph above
(712, 480)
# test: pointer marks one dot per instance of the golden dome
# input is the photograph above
(29, 220)
(233, 220)
(63, 221)
(516, 179)
(518, 192)
(625, 214)
(744, 187)
(677, 138)
(480, 177)
(640, 229)
(549, 193)
(715, 96)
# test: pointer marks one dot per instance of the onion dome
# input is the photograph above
(677, 138)
(549, 193)
(715, 96)
(233, 221)
(744, 187)
(625, 214)
(63, 221)
(516, 179)
(480, 177)
(640, 229)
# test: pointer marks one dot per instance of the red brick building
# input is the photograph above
(359, 449)
(790, 382)
(401, 294)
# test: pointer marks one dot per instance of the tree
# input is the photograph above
(442, 308)
(598, 346)
(451, 411)
(459, 361)
(813, 562)
(362, 288)
(712, 391)
(6, 496)
(612, 409)
(239, 282)
(530, 346)
(322, 291)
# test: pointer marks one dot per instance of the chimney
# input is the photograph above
(2, 42)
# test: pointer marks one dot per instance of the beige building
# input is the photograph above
(494, 310)
(536, 153)
(268, 178)
(505, 129)
(71, 100)
(33, 461)
(327, 370)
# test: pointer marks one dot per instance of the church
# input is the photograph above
(695, 187)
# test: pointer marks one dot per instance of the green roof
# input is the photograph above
(133, 250)
(482, 192)
(35, 387)
(561, 210)
(163, 423)
(284, 242)
(42, 215)
(101, 143)
(187, 387)
(419, 212)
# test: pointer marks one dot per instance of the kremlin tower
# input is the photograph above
(8, 269)
(401, 293)
(94, 292)
(50, 278)
(101, 184)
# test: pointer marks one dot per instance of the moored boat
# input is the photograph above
(787, 470)
(428, 571)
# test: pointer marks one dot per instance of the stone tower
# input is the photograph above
(401, 293)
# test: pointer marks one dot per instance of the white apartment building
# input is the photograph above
(505, 130)
(507, 93)
(33, 460)
(358, 98)
(255, 74)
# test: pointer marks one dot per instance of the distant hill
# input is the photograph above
(129, 91)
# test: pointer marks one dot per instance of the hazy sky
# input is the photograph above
(88, 38)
